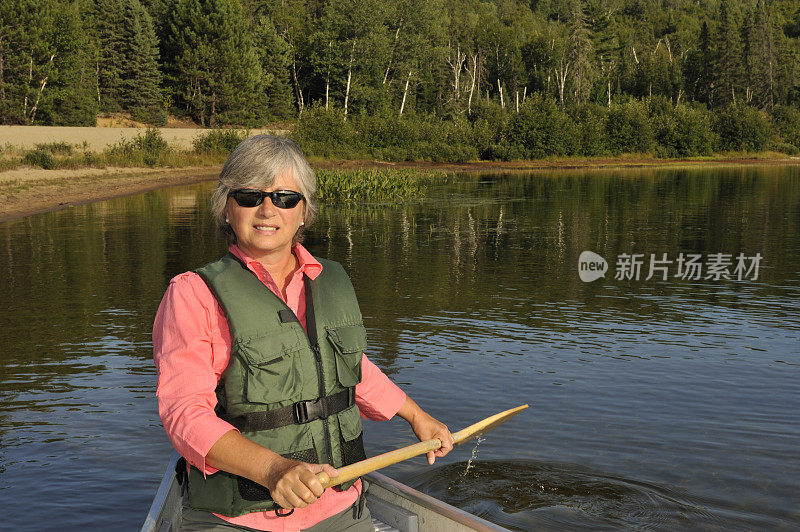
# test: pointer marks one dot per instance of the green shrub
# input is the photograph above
(56, 148)
(325, 133)
(401, 133)
(148, 149)
(41, 158)
(503, 151)
(741, 128)
(682, 131)
(628, 128)
(787, 123)
(495, 116)
(221, 141)
(788, 149)
(542, 129)
(590, 119)
(153, 115)
(91, 158)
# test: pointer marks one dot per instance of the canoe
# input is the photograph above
(394, 507)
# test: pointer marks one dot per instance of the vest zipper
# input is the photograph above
(320, 379)
(311, 325)
(318, 363)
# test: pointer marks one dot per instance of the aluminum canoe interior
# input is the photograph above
(394, 507)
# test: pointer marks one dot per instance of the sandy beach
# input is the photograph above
(97, 138)
(27, 191)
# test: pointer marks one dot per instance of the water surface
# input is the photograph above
(658, 404)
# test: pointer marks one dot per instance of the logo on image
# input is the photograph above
(591, 266)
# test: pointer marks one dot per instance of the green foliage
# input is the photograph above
(590, 119)
(148, 149)
(489, 122)
(788, 149)
(414, 137)
(742, 128)
(680, 131)
(141, 78)
(628, 128)
(275, 58)
(55, 148)
(787, 123)
(105, 21)
(126, 58)
(325, 133)
(542, 129)
(41, 158)
(219, 141)
(212, 62)
(46, 71)
(234, 62)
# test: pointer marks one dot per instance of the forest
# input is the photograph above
(420, 79)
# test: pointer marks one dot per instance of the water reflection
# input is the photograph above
(655, 403)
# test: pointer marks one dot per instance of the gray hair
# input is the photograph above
(255, 163)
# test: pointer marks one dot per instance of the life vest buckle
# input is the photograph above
(306, 411)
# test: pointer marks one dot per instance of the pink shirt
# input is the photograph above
(192, 347)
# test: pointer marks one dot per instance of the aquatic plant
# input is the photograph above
(373, 184)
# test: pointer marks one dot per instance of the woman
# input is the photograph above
(261, 371)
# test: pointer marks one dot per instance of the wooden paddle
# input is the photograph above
(392, 457)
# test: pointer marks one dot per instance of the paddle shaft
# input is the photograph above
(369, 465)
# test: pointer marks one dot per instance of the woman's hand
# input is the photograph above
(291, 484)
(294, 484)
(426, 427)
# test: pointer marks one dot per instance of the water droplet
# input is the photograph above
(473, 457)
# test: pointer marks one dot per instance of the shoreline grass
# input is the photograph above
(150, 150)
(146, 150)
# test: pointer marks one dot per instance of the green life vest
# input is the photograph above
(277, 374)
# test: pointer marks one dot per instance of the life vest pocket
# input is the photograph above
(289, 442)
(352, 440)
(349, 342)
(273, 367)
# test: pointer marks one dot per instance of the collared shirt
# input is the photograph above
(192, 347)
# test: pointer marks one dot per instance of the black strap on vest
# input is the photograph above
(300, 412)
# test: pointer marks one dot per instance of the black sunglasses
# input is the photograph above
(250, 197)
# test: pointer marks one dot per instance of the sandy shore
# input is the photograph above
(97, 138)
(26, 191)
(31, 191)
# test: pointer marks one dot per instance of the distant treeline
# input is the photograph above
(540, 128)
(599, 66)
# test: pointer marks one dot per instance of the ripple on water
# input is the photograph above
(523, 494)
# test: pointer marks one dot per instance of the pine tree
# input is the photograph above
(105, 23)
(749, 53)
(727, 64)
(581, 51)
(45, 74)
(71, 100)
(765, 54)
(141, 78)
(606, 43)
(212, 63)
(274, 56)
(706, 84)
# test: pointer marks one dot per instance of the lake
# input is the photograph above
(663, 395)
